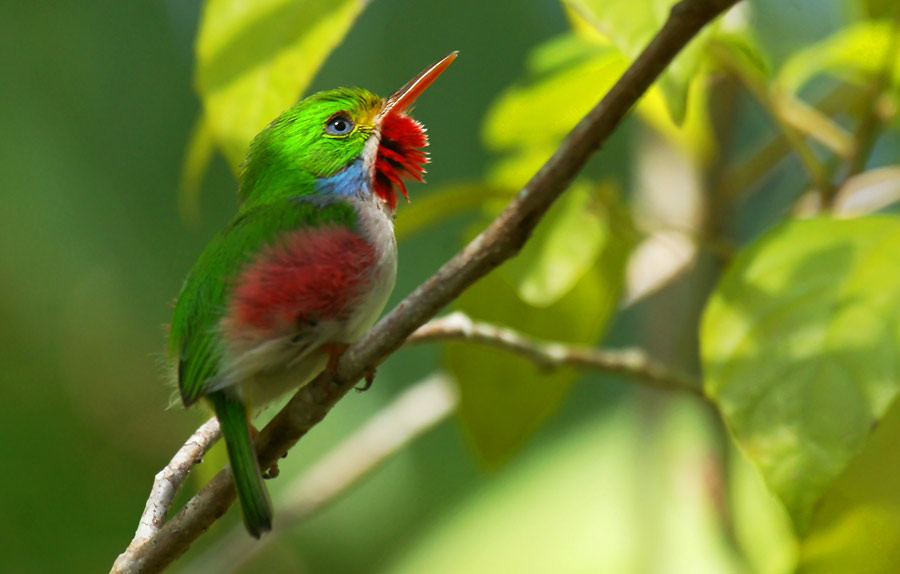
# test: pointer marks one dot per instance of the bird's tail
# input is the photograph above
(248, 479)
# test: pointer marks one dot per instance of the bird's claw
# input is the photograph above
(370, 378)
(271, 472)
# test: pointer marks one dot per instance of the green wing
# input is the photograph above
(194, 336)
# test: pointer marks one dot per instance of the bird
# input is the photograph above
(303, 269)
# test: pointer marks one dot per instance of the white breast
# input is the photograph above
(378, 229)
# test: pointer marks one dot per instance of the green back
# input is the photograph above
(194, 337)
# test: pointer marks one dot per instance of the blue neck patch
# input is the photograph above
(353, 181)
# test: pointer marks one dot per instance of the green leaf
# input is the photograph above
(504, 398)
(630, 25)
(856, 527)
(743, 50)
(799, 345)
(528, 122)
(855, 53)
(587, 223)
(544, 109)
(762, 527)
(254, 59)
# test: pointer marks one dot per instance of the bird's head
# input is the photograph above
(343, 141)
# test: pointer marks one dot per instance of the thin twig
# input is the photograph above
(502, 239)
(634, 364)
(736, 180)
(774, 104)
(166, 484)
(417, 410)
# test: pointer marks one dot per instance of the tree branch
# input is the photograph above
(166, 484)
(631, 363)
(420, 408)
(417, 410)
(502, 239)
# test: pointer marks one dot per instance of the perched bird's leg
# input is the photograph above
(334, 350)
(272, 471)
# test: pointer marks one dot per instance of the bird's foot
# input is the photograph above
(271, 472)
(370, 378)
(334, 350)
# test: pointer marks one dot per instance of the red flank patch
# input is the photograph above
(310, 275)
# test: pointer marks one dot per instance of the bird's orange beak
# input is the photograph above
(405, 96)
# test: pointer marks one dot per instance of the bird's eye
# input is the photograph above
(338, 125)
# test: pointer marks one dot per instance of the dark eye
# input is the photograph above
(338, 125)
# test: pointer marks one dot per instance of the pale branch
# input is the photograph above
(414, 412)
(501, 240)
(634, 364)
(166, 484)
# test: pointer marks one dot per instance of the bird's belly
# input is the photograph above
(265, 386)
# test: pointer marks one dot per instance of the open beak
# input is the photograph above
(405, 96)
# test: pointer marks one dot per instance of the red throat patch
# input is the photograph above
(400, 156)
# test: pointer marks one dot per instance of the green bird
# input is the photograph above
(305, 267)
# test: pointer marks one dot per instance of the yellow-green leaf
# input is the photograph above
(630, 25)
(856, 527)
(587, 227)
(254, 59)
(801, 349)
(528, 122)
(550, 105)
(855, 53)
(505, 398)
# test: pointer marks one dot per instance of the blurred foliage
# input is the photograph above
(253, 61)
(857, 53)
(504, 398)
(630, 26)
(748, 149)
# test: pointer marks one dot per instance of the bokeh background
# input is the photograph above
(96, 108)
